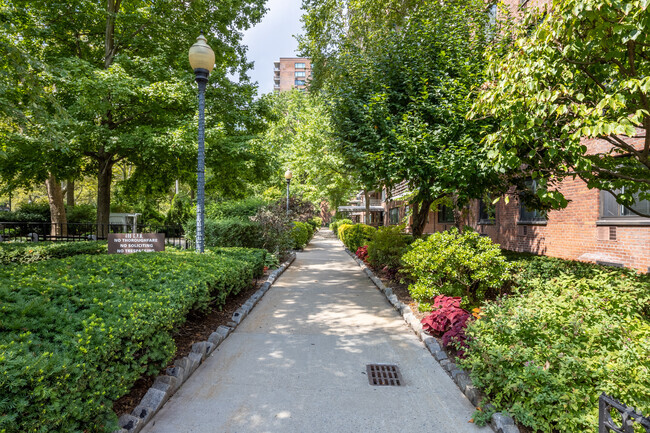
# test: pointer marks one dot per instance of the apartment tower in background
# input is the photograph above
(291, 73)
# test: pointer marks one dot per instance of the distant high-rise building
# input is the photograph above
(291, 73)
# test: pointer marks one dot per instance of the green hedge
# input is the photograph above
(33, 252)
(255, 257)
(354, 236)
(231, 232)
(300, 234)
(76, 333)
(334, 225)
(315, 222)
(388, 246)
(546, 353)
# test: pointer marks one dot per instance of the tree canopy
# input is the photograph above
(578, 71)
(400, 79)
(114, 83)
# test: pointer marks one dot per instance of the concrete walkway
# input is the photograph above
(297, 363)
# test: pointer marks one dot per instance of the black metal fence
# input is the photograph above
(71, 232)
(626, 417)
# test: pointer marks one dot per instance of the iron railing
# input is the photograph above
(626, 417)
(71, 232)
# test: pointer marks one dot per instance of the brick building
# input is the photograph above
(592, 228)
(291, 73)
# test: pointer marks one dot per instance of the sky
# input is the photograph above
(273, 38)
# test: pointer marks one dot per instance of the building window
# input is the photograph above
(300, 73)
(299, 66)
(299, 82)
(486, 212)
(610, 209)
(531, 216)
(393, 216)
(446, 215)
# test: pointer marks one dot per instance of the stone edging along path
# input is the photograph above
(500, 422)
(165, 386)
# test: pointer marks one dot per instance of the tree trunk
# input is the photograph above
(104, 178)
(420, 214)
(69, 193)
(57, 209)
(367, 197)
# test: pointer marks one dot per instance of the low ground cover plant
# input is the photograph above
(354, 236)
(34, 252)
(546, 352)
(76, 333)
(448, 321)
(455, 264)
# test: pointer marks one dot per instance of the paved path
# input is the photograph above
(297, 363)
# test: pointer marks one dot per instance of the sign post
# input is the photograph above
(128, 243)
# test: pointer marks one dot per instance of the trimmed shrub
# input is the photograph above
(388, 246)
(354, 236)
(300, 234)
(81, 213)
(232, 232)
(78, 332)
(242, 209)
(334, 225)
(545, 354)
(29, 252)
(455, 264)
(315, 222)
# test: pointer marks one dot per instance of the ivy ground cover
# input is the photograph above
(76, 333)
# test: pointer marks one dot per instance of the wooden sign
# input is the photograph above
(127, 243)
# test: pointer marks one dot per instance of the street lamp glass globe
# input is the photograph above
(288, 175)
(201, 55)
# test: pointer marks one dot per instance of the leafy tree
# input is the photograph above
(120, 76)
(581, 73)
(400, 88)
(302, 138)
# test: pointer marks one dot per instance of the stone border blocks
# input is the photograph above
(501, 423)
(165, 386)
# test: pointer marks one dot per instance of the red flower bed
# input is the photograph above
(449, 321)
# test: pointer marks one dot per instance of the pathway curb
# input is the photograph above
(166, 385)
(500, 422)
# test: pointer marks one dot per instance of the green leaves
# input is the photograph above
(572, 331)
(76, 333)
(575, 76)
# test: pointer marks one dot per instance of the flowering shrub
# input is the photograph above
(362, 253)
(76, 333)
(546, 353)
(449, 321)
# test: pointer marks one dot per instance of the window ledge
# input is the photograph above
(631, 221)
(486, 223)
(532, 223)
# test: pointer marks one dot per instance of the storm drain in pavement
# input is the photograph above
(384, 375)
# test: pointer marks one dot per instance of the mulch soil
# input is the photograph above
(198, 327)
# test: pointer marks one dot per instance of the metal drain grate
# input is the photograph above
(384, 375)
